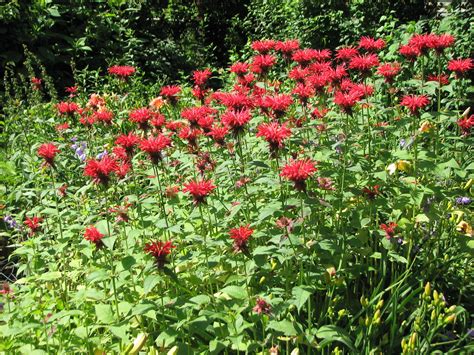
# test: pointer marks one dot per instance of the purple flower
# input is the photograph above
(101, 155)
(11, 222)
(463, 200)
(406, 144)
(79, 150)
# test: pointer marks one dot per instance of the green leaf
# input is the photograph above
(104, 313)
(235, 292)
(332, 333)
(301, 295)
(50, 276)
(285, 326)
(150, 282)
(128, 262)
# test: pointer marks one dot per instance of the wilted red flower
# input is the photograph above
(93, 235)
(128, 142)
(442, 79)
(205, 162)
(415, 102)
(364, 63)
(33, 224)
(409, 52)
(389, 71)
(389, 229)
(154, 147)
(264, 46)
(121, 71)
(236, 119)
(274, 133)
(62, 127)
(345, 54)
(200, 77)
(218, 133)
(100, 170)
(174, 125)
(141, 116)
(298, 171)
(122, 212)
(371, 192)
(171, 92)
(241, 236)
(171, 191)
(159, 250)
(460, 66)
(67, 108)
(36, 83)
(48, 152)
(325, 183)
(317, 113)
(104, 115)
(6, 290)
(199, 189)
(466, 124)
(371, 44)
(285, 224)
(262, 307)
(262, 63)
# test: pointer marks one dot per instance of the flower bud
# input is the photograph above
(451, 309)
(468, 184)
(363, 301)
(427, 292)
(379, 304)
(138, 343)
(433, 315)
(435, 296)
(450, 319)
(262, 280)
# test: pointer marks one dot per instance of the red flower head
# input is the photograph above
(298, 171)
(263, 47)
(303, 92)
(194, 114)
(218, 133)
(440, 42)
(389, 229)
(48, 152)
(154, 147)
(171, 93)
(236, 119)
(159, 250)
(199, 93)
(345, 54)
(190, 134)
(234, 100)
(199, 189)
(364, 63)
(422, 42)
(337, 74)
(128, 142)
(279, 104)
(103, 115)
(100, 170)
(200, 77)
(121, 71)
(414, 103)
(33, 224)
(389, 71)
(67, 108)
(93, 235)
(174, 125)
(460, 66)
(371, 192)
(262, 63)
(122, 169)
(241, 236)
(141, 116)
(441, 79)
(262, 307)
(287, 47)
(62, 126)
(347, 100)
(71, 90)
(409, 52)
(239, 68)
(158, 120)
(466, 124)
(274, 134)
(36, 83)
(298, 73)
(370, 44)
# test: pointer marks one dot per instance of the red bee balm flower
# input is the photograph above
(262, 63)
(48, 152)
(240, 236)
(100, 170)
(121, 71)
(389, 71)
(141, 116)
(364, 63)
(93, 235)
(236, 119)
(460, 66)
(154, 146)
(263, 46)
(171, 93)
(199, 189)
(128, 142)
(274, 134)
(370, 44)
(414, 103)
(33, 224)
(160, 250)
(67, 108)
(389, 229)
(200, 77)
(298, 171)
(345, 54)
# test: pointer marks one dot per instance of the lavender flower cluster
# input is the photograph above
(79, 149)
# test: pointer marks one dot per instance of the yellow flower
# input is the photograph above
(465, 228)
(425, 126)
(403, 165)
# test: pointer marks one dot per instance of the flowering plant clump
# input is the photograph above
(301, 200)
